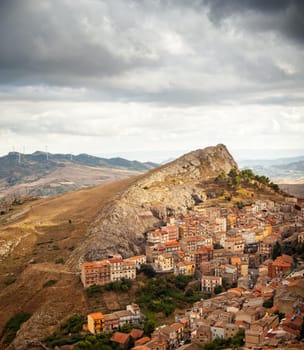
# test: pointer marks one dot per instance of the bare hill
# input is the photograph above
(46, 174)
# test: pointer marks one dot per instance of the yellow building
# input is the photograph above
(190, 268)
(267, 230)
(164, 262)
(96, 322)
(231, 220)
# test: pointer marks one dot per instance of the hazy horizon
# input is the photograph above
(162, 156)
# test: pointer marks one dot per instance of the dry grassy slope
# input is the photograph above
(64, 179)
(35, 235)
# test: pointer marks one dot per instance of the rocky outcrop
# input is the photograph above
(172, 188)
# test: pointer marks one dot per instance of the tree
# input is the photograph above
(233, 172)
(218, 289)
(247, 175)
(126, 328)
(280, 314)
(217, 246)
(92, 290)
(181, 281)
(131, 343)
(12, 326)
(148, 270)
(274, 186)
(149, 326)
(268, 303)
(240, 205)
(276, 250)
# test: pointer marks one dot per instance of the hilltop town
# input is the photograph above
(250, 268)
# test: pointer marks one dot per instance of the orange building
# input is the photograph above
(204, 254)
(172, 231)
(96, 322)
(98, 272)
(280, 266)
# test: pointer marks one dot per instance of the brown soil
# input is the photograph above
(43, 234)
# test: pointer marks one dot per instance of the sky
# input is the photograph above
(152, 79)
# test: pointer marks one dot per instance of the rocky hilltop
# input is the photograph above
(148, 201)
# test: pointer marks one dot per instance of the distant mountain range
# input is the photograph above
(281, 170)
(270, 162)
(47, 174)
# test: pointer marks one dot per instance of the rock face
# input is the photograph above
(172, 188)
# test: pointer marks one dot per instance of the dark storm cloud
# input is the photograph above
(50, 41)
(167, 51)
(283, 16)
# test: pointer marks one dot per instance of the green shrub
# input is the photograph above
(59, 261)
(50, 283)
(92, 290)
(148, 270)
(9, 281)
(218, 289)
(13, 325)
(119, 286)
(268, 303)
(73, 324)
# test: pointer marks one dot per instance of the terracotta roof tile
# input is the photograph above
(96, 315)
(120, 338)
(136, 333)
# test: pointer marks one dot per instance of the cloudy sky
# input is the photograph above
(150, 79)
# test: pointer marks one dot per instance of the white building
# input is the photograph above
(210, 282)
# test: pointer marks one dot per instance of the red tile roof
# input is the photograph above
(136, 333)
(96, 315)
(142, 341)
(115, 260)
(120, 338)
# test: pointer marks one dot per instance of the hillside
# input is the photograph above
(46, 174)
(174, 187)
(33, 237)
(296, 190)
(45, 240)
